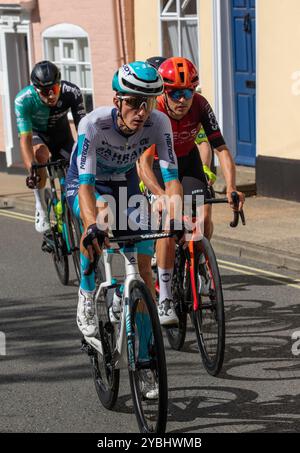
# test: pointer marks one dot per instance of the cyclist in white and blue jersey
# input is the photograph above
(103, 164)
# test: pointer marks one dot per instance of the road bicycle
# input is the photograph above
(197, 292)
(63, 239)
(135, 342)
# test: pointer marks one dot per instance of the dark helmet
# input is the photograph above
(156, 61)
(45, 74)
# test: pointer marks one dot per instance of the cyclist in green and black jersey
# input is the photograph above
(44, 130)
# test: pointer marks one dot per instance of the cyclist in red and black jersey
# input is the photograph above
(187, 111)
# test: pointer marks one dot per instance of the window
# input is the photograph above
(67, 46)
(179, 29)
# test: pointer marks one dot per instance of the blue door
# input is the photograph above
(244, 60)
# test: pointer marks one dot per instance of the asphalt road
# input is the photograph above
(45, 380)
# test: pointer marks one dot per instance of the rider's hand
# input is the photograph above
(241, 199)
(32, 180)
(94, 240)
(211, 176)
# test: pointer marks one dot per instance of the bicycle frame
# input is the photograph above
(60, 174)
(123, 328)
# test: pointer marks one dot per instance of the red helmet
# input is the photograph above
(179, 73)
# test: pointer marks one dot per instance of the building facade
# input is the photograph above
(87, 40)
(247, 54)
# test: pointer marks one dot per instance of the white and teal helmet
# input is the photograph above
(138, 78)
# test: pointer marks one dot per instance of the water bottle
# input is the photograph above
(58, 212)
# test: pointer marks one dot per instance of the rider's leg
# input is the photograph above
(41, 155)
(208, 224)
(145, 269)
(165, 256)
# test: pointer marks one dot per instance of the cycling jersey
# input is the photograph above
(103, 152)
(34, 115)
(186, 129)
(106, 158)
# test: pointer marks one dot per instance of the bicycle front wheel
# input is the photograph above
(56, 243)
(176, 335)
(74, 236)
(106, 376)
(146, 361)
(209, 318)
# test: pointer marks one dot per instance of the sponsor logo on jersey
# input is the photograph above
(170, 148)
(85, 148)
(71, 89)
(212, 119)
(185, 136)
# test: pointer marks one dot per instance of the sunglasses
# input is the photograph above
(139, 102)
(176, 95)
(46, 92)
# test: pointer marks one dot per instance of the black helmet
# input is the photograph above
(156, 61)
(45, 74)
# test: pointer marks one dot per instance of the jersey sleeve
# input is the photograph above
(23, 117)
(165, 148)
(86, 154)
(210, 124)
(78, 108)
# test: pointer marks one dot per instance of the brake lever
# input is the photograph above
(235, 199)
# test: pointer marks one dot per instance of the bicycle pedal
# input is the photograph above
(46, 247)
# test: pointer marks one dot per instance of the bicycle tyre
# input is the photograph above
(59, 252)
(176, 335)
(210, 314)
(140, 294)
(74, 236)
(106, 376)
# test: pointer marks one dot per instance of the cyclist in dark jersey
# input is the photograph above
(187, 111)
(44, 130)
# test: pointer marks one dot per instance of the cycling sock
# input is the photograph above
(39, 195)
(87, 282)
(145, 333)
(165, 283)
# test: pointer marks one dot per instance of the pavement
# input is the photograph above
(271, 234)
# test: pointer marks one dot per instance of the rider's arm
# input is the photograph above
(205, 153)
(87, 203)
(146, 173)
(86, 164)
(229, 172)
(168, 164)
(78, 108)
(24, 125)
(27, 150)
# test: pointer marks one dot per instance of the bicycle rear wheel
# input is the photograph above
(57, 243)
(209, 319)
(176, 335)
(147, 362)
(106, 376)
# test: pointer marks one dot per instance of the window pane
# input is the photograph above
(71, 74)
(85, 76)
(83, 50)
(170, 39)
(52, 46)
(169, 6)
(189, 35)
(68, 50)
(88, 101)
(188, 8)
